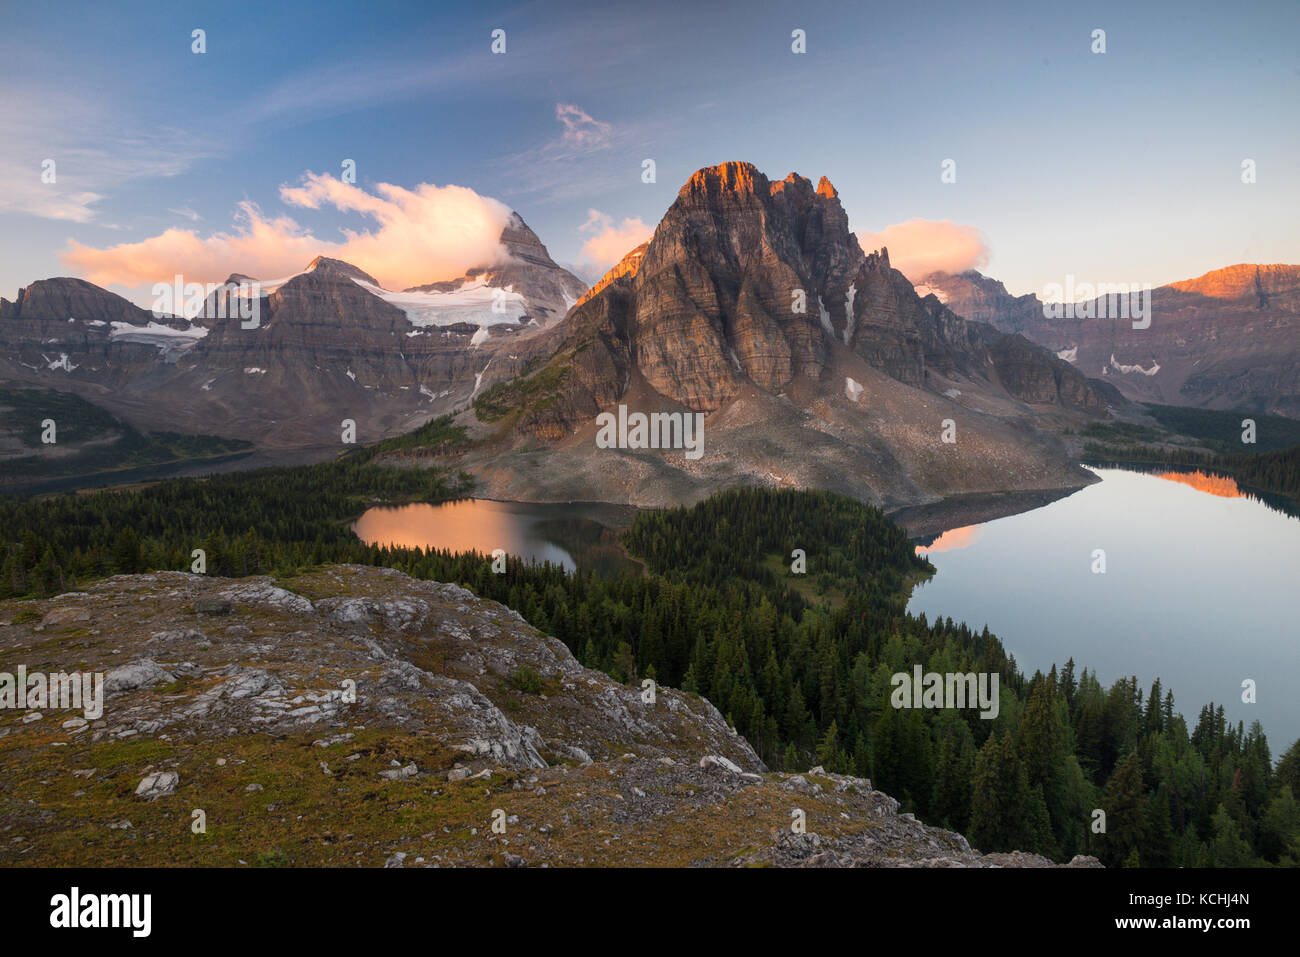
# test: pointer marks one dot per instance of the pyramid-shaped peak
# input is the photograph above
(324, 266)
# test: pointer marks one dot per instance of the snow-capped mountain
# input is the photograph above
(327, 343)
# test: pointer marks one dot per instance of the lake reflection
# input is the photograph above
(1200, 590)
(581, 535)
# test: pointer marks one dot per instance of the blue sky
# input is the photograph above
(1122, 166)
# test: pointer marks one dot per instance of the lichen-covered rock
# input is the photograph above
(378, 714)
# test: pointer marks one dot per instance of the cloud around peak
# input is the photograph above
(919, 247)
(416, 236)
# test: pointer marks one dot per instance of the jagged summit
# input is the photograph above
(712, 183)
(755, 305)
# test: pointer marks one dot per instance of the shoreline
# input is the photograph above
(973, 508)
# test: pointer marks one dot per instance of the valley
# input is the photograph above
(629, 469)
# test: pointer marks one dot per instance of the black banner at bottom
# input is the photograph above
(333, 906)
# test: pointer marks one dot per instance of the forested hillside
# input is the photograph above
(800, 663)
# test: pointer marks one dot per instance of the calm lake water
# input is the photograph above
(1201, 589)
(583, 534)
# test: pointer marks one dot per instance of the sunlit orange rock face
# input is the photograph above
(953, 539)
(627, 266)
(1245, 280)
(1220, 485)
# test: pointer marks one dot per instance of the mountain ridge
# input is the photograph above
(1223, 340)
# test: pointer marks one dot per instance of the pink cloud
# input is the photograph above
(607, 242)
(420, 235)
(919, 247)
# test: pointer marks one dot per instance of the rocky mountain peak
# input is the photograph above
(752, 287)
(64, 297)
(523, 245)
(712, 183)
(337, 268)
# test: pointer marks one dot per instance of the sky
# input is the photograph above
(1122, 166)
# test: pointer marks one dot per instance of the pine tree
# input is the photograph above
(1125, 806)
(1000, 796)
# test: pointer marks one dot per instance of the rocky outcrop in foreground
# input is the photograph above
(357, 716)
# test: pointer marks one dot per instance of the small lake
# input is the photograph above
(1201, 589)
(580, 535)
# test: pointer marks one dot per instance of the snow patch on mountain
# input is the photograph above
(849, 319)
(473, 301)
(170, 342)
(127, 330)
(923, 290)
(1136, 367)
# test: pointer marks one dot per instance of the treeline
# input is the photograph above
(805, 677)
(1220, 429)
(1275, 472)
(83, 426)
(270, 521)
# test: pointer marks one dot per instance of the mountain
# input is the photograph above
(548, 289)
(815, 364)
(328, 344)
(308, 711)
(1225, 340)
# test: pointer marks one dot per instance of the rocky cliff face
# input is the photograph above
(355, 716)
(753, 302)
(1227, 339)
(752, 282)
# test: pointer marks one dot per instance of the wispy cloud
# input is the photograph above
(587, 157)
(581, 132)
(91, 155)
